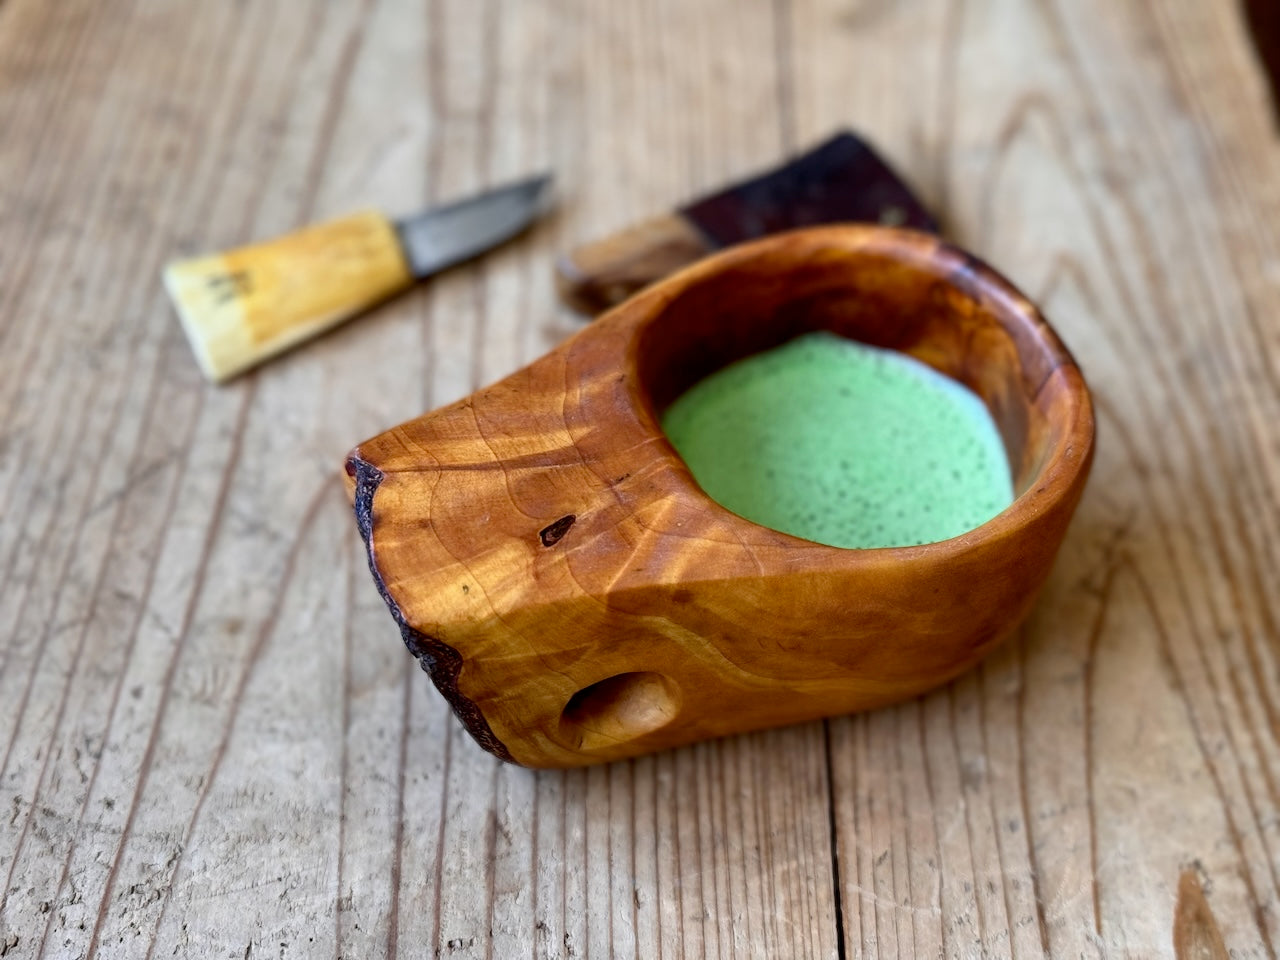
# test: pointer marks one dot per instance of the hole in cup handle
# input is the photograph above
(618, 709)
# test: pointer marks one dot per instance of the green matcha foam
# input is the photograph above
(843, 444)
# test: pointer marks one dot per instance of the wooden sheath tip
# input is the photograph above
(600, 275)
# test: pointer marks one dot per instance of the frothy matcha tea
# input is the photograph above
(843, 444)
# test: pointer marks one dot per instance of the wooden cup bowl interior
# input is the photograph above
(894, 289)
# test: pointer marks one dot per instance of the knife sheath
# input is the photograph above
(842, 179)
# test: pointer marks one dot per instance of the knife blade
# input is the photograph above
(242, 306)
(842, 179)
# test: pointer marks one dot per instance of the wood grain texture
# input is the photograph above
(1195, 931)
(578, 598)
(211, 743)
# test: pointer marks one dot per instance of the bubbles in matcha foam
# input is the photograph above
(844, 444)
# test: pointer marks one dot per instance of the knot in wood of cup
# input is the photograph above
(578, 598)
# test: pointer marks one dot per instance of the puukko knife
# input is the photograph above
(842, 179)
(242, 306)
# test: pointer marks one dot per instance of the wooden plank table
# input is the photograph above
(212, 743)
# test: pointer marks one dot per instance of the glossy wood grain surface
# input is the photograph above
(212, 743)
(578, 598)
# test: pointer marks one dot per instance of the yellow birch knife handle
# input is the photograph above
(243, 306)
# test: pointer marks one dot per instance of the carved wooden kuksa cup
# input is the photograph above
(578, 598)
